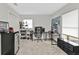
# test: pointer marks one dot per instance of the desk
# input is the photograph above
(68, 47)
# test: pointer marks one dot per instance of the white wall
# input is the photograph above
(40, 20)
(9, 15)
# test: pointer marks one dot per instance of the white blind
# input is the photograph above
(70, 23)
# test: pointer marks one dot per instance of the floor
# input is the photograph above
(28, 47)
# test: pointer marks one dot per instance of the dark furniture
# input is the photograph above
(38, 32)
(67, 47)
(43, 29)
(7, 43)
(31, 35)
(23, 33)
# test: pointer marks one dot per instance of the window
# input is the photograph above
(70, 23)
(27, 23)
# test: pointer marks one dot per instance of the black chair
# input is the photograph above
(38, 33)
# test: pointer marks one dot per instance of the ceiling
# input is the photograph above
(36, 8)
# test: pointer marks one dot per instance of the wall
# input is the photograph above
(40, 20)
(9, 15)
(65, 9)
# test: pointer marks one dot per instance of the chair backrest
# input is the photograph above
(38, 31)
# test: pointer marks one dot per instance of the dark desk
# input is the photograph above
(67, 47)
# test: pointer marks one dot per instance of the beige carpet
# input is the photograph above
(28, 47)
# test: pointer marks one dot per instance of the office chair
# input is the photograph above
(38, 33)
